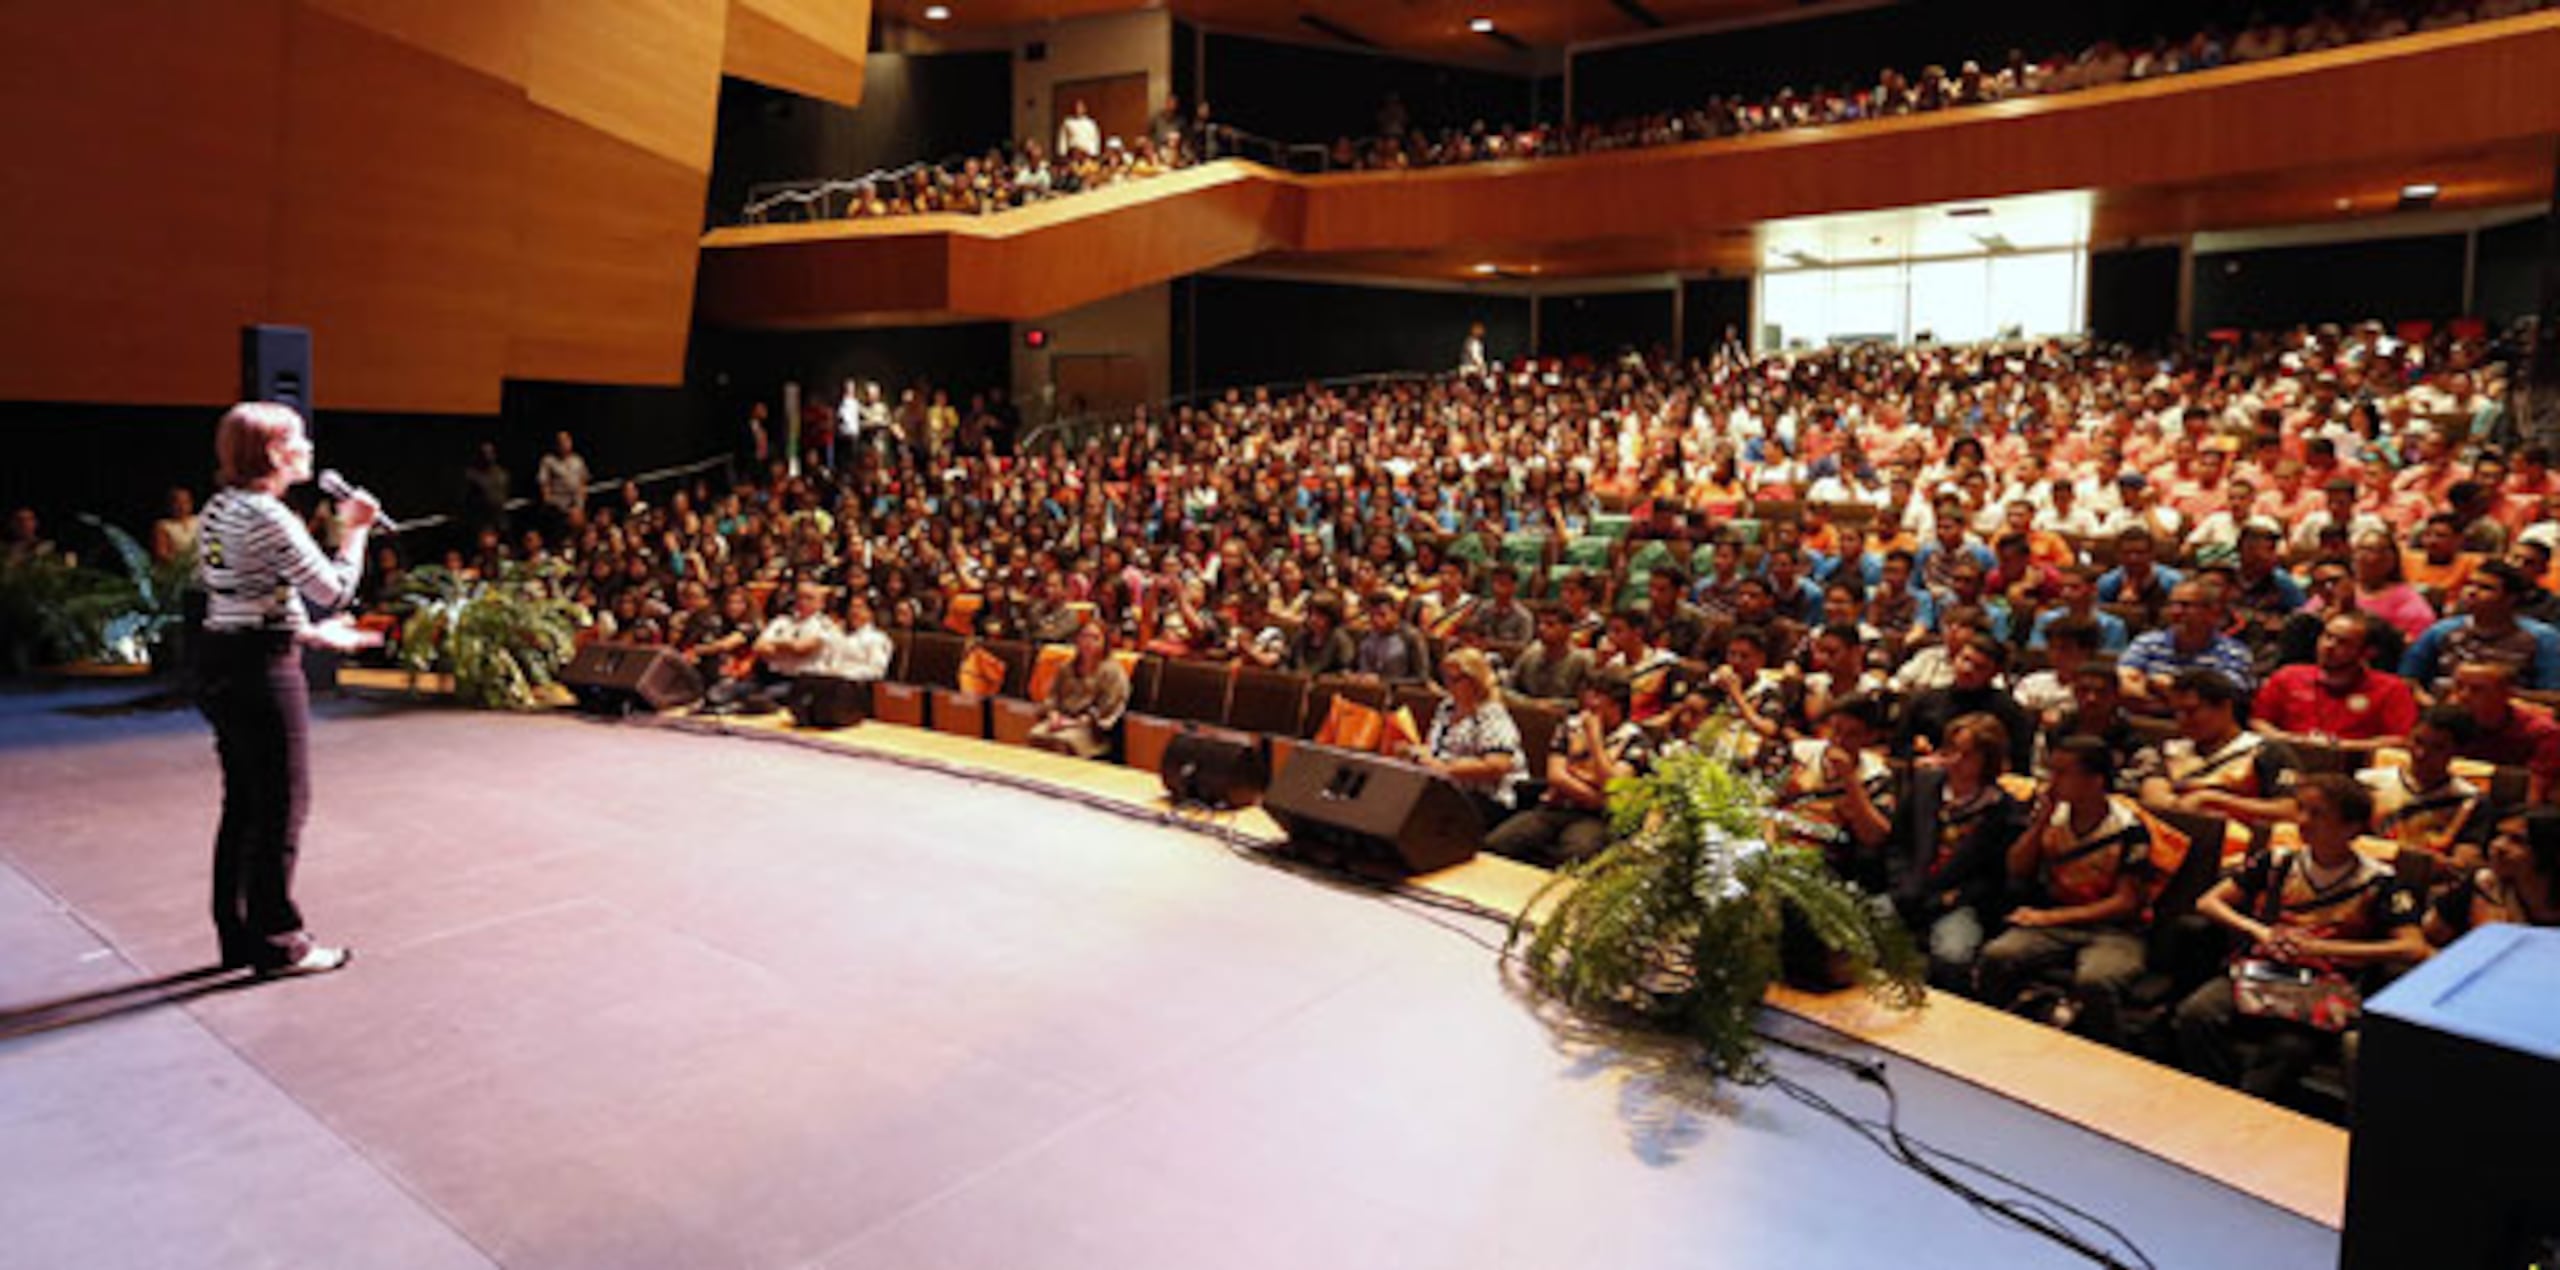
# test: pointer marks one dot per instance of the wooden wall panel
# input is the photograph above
(2441, 96)
(397, 242)
(815, 48)
(448, 194)
(604, 280)
(134, 218)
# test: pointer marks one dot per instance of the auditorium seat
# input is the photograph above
(1273, 702)
(1188, 692)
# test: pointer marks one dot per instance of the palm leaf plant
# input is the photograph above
(1676, 925)
(502, 639)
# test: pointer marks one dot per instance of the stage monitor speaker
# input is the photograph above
(275, 365)
(622, 678)
(2457, 1106)
(827, 701)
(1215, 770)
(1374, 809)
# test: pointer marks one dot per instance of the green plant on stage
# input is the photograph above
(156, 598)
(1676, 924)
(502, 639)
(55, 610)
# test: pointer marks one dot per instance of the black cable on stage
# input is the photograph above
(2030, 1213)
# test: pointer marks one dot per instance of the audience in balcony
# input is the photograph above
(1083, 158)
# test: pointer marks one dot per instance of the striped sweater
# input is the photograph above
(259, 566)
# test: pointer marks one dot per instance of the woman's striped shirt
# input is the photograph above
(259, 566)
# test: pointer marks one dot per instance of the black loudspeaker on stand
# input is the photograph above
(624, 678)
(1374, 810)
(275, 365)
(1214, 770)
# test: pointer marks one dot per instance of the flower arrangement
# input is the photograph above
(1677, 924)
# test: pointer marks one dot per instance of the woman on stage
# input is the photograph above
(259, 567)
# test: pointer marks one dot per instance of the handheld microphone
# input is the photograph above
(335, 486)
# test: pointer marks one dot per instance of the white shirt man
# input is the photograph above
(1079, 134)
(865, 653)
(800, 642)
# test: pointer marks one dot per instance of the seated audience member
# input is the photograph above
(718, 642)
(2439, 567)
(1973, 689)
(2045, 693)
(1838, 793)
(2215, 767)
(1838, 798)
(2340, 699)
(1086, 700)
(1655, 678)
(1950, 876)
(1670, 621)
(2136, 581)
(2487, 630)
(2507, 732)
(2322, 908)
(2097, 710)
(1472, 740)
(2422, 805)
(1388, 648)
(2519, 884)
(2532, 558)
(2381, 587)
(2079, 602)
(791, 645)
(1596, 745)
(1839, 669)
(1935, 665)
(1744, 687)
(2077, 874)
(1504, 619)
(2192, 640)
(1554, 668)
(863, 652)
(1321, 646)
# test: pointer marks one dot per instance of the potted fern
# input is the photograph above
(503, 639)
(1676, 924)
(55, 611)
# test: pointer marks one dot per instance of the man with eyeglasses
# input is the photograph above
(2191, 640)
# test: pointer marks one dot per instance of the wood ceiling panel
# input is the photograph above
(644, 71)
(811, 47)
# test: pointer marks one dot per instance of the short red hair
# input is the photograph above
(244, 443)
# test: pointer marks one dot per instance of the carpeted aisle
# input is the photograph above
(628, 997)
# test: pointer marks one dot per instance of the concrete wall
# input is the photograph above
(1088, 48)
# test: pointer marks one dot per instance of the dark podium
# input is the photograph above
(2455, 1159)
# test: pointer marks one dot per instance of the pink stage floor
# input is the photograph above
(628, 997)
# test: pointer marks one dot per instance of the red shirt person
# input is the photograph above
(2339, 697)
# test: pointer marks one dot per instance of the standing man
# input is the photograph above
(1079, 134)
(562, 477)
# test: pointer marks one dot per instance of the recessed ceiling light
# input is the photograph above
(2420, 191)
(1488, 267)
(1481, 26)
(937, 12)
